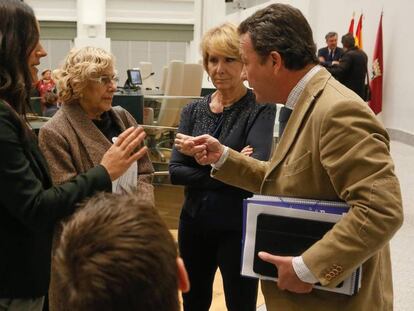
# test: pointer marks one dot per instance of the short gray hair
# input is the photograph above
(330, 35)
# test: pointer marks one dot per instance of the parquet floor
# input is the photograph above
(168, 200)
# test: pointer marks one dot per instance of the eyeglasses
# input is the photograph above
(105, 80)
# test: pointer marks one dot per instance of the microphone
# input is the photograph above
(146, 77)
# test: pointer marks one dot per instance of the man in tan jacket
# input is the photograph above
(333, 148)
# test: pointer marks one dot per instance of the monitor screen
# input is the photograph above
(134, 77)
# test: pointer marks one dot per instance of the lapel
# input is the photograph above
(31, 148)
(89, 136)
(304, 104)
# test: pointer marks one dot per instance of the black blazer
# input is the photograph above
(210, 202)
(30, 207)
(352, 70)
(324, 52)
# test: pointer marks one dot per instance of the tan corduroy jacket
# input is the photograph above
(333, 148)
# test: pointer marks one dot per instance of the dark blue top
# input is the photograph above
(209, 201)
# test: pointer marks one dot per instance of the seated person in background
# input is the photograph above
(50, 104)
(44, 85)
(85, 127)
(351, 70)
(210, 230)
(331, 52)
(116, 253)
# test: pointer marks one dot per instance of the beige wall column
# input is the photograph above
(91, 24)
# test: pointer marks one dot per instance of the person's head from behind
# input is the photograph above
(221, 57)
(275, 40)
(116, 253)
(50, 99)
(88, 77)
(20, 53)
(331, 40)
(348, 41)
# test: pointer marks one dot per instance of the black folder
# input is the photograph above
(284, 237)
(288, 227)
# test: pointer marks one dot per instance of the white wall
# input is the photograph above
(398, 22)
(324, 16)
(127, 11)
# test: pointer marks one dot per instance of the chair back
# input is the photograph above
(164, 79)
(193, 78)
(36, 105)
(148, 82)
(170, 109)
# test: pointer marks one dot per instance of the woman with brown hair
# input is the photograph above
(30, 205)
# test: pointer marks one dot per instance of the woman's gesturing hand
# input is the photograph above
(124, 152)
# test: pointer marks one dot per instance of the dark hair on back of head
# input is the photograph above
(116, 253)
(51, 99)
(284, 29)
(348, 40)
(19, 35)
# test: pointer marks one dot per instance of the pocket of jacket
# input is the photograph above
(298, 165)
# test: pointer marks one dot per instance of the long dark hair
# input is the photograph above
(19, 35)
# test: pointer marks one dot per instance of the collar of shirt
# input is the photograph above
(300, 86)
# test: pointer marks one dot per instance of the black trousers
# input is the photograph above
(203, 251)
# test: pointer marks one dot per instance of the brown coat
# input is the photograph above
(333, 148)
(72, 144)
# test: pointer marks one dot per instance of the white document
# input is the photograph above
(128, 181)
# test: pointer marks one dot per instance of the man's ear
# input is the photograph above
(183, 282)
(276, 60)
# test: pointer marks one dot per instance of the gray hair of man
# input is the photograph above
(330, 35)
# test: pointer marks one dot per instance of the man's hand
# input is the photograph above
(211, 150)
(205, 148)
(287, 278)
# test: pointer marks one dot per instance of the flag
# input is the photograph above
(377, 73)
(358, 34)
(351, 24)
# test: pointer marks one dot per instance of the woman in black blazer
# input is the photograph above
(29, 204)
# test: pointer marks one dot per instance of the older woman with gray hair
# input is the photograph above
(84, 128)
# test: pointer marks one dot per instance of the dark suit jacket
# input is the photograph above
(324, 52)
(352, 70)
(30, 206)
